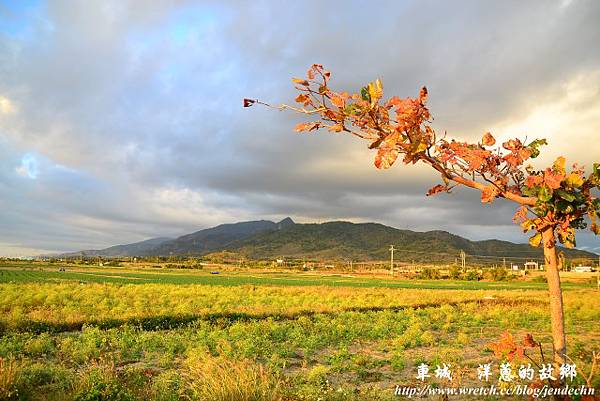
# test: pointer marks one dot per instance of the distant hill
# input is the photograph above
(371, 241)
(135, 249)
(216, 238)
(336, 240)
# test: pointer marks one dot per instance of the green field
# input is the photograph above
(119, 334)
(121, 276)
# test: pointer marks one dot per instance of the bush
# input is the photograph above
(9, 374)
(210, 378)
(46, 374)
(472, 275)
(429, 273)
(455, 273)
(498, 274)
(100, 383)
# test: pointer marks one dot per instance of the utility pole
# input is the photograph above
(392, 259)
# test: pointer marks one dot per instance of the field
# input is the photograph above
(124, 334)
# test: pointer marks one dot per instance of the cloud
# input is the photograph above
(28, 167)
(129, 117)
(6, 106)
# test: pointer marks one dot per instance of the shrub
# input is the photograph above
(430, 273)
(318, 374)
(472, 275)
(100, 383)
(210, 378)
(498, 274)
(40, 374)
(9, 374)
(455, 272)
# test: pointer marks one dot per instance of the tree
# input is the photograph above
(553, 202)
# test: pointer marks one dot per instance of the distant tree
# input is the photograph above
(553, 202)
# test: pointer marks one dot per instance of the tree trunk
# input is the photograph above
(556, 300)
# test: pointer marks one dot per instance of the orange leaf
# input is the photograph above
(533, 180)
(337, 100)
(307, 126)
(513, 144)
(301, 127)
(386, 157)
(301, 98)
(300, 81)
(336, 128)
(520, 214)
(552, 179)
(488, 139)
(488, 194)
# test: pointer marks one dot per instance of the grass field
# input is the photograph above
(121, 334)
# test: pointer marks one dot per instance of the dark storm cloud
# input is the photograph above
(133, 110)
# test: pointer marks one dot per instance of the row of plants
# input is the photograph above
(325, 356)
(68, 306)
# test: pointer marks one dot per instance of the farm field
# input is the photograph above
(119, 334)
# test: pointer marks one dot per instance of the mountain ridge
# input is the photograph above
(339, 240)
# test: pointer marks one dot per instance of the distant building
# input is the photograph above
(583, 269)
(531, 265)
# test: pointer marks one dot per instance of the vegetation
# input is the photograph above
(116, 340)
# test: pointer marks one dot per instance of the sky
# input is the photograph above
(121, 120)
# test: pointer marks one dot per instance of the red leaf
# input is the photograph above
(423, 95)
(437, 189)
(529, 342)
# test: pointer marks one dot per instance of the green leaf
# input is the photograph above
(545, 193)
(533, 191)
(353, 109)
(565, 195)
(534, 147)
(564, 206)
(364, 93)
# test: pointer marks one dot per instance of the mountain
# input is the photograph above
(135, 249)
(336, 240)
(216, 238)
(370, 241)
